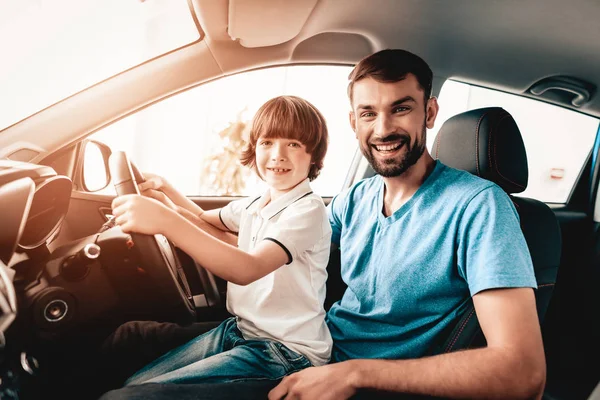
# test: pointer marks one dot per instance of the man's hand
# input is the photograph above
(335, 381)
(141, 214)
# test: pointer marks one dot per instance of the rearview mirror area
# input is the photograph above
(95, 172)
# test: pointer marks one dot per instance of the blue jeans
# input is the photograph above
(222, 355)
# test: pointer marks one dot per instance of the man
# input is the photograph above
(414, 242)
(413, 250)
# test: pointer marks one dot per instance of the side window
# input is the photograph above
(194, 138)
(554, 161)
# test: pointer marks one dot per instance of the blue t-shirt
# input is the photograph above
(411, 275)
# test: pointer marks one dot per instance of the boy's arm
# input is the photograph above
(144, 215)
(511, 366)
(211, 225)
(223, 259)
(297, 229)
(160, 189)
(162, 186)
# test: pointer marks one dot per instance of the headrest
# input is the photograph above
(485, 142)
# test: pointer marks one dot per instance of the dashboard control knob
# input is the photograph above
(76, 266)
(90, 251)
(55, 310)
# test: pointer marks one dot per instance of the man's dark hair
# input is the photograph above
(392, 66)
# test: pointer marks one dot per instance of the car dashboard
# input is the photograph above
(49, 293)
(33, 202)
(49, 203)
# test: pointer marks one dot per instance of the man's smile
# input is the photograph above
(388, 148)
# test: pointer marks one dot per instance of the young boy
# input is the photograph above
(276, 275)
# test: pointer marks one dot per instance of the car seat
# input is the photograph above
(487, 142)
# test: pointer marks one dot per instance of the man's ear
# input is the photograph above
(432, 112)
(352, 117)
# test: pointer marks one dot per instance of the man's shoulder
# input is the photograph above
(472, 194)
(459, 183)
(359, 196)
(364, 188)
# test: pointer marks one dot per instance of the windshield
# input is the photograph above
(51, 49)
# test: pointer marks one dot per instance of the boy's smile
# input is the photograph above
(279, 171)
(282, 163)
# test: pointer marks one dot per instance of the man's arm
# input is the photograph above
(511, 366)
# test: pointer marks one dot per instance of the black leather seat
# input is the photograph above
(487, 142)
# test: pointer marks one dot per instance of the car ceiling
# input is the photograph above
(505, 44)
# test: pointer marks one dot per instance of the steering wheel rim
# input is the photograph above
(155, 253)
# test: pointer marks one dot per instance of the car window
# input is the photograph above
(557, 140)
(53, 49)
(194, 138)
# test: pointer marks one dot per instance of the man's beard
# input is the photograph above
(392, 167)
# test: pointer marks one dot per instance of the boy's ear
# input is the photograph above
(352, 117)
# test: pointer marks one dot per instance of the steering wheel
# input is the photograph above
(156, 254)
(126, 175)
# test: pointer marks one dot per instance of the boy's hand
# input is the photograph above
(160, 189)
(140, 214)
(160, 196)
(156, 187)
(154, 182)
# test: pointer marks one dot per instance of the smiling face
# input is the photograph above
(287, 132)
(390, 120)
(282, 163)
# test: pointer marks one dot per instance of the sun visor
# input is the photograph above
(260, 23)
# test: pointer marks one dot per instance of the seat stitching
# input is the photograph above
(460, 331)
(495, 163)
(477, 144)
(517, 206)
(546, 284)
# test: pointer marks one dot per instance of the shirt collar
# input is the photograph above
(273, 208)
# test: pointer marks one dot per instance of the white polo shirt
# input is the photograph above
(287, 304)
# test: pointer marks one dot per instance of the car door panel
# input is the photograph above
(569, 331)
